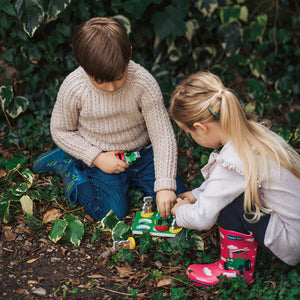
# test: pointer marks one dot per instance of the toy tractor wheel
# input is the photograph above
(132, 242)
(247, 265)
(241, 269)
(225, 266)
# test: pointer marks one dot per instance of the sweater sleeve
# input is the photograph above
(64, 122)
(223, 185)
(161, 134)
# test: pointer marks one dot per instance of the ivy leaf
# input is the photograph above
(257, 65)
(20, 189)
(146, 242)
(6, 96)
(169, 22)
(109, 221)
(31, 14)
(8, 7)
(28, 175)
(121, 231)
(136, 7)
(27, 205)
(4, 209)
(124, 21)
(126, 255)
(229, 15)
(55, 7)
(58, 230)
(178, 294)
(13, 106)
(207, 7)
(256, 88)
(75, 230)
(232, 39)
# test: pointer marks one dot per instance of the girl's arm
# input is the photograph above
(221, 187)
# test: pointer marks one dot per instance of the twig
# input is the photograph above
(6, 117)
(112, 291)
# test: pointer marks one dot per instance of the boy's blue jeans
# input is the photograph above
(107, 192)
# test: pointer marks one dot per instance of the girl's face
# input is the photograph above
(110, 86)
(208, 135)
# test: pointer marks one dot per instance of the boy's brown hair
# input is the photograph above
(102, 48)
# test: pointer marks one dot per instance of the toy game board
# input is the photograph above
(141, 223)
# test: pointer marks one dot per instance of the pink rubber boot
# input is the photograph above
(238, 256)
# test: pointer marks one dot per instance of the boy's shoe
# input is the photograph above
(238, 256)
(59, 162)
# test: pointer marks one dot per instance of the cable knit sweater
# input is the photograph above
(224, 182)
(87, 121)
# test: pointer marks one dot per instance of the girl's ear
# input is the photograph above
(201, 126)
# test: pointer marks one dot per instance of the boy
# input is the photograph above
(110, 105)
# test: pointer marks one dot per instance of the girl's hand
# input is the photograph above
(188, 195)
(109, 163)
(180, 201)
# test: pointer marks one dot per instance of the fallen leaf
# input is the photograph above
(8, 250)
(32, 282)
(2, 173)
(51, 215)
(75, 282)
(164, 282)
(30, 261)
(97, 276)
(63, 251)
(124, 272)
(20, 291)
(43, 240)
(9, 236)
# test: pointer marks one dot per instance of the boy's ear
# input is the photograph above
(201, 126)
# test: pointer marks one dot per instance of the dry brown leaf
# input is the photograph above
(63, 251)
(2, 173)
(9, 236)
(30, 261)
(43, 240)
(97, 276)
(20, 291)
(32, 282)
(51, 215)
(164, 282)
(75, 282)
(124, 272)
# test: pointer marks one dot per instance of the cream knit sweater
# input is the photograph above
(86, 121)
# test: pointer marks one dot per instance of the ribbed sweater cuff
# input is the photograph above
(165, 184)
(90, 155)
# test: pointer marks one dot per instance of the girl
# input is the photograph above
(251, 186)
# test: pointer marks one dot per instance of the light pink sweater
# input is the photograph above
(86, 121)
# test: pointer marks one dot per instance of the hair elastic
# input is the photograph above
(213, 113)
(219, 94)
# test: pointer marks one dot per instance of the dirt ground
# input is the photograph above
(33, 267)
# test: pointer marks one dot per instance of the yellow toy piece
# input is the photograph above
(147, 215)
(131, 242)
(175, 230)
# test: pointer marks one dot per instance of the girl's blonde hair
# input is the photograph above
(202, 97)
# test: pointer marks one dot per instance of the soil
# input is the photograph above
(33, 267)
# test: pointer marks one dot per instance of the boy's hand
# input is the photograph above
(188, 195)
(165, 199)
(109, 163)
(180, 201)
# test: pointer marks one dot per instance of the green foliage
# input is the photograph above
(252, 45)
(17, 193)
(70, 227)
